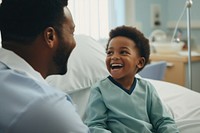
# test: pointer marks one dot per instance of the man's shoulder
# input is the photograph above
(21, 81)
(23, 91)
(27, 101)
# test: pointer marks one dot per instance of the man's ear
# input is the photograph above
(141, 62)
(50, 36)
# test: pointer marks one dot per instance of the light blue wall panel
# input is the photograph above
(170, 11)
(143, 14)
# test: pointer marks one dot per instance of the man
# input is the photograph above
(37, 39)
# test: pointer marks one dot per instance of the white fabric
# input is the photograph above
(91, 19)
(29, 105)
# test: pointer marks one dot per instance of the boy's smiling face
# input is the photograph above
(123, 59)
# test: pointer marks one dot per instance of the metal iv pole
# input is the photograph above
(189, 4)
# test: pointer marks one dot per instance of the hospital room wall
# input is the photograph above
(143, 14)
(170, 11)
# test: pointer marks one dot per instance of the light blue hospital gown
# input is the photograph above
(140, 110)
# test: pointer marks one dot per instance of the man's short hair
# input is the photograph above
(23, 20)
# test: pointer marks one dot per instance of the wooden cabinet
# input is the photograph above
(177, 69)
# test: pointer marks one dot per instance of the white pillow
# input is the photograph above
(86, 66)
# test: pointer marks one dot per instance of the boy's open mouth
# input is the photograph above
(116, 66)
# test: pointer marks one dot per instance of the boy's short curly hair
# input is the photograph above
(142, 43)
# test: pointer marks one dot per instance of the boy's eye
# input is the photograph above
(109, 52)
(124, 52)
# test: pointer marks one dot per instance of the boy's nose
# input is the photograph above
(115, 57)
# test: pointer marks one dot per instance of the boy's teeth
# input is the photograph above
(116, 66)
(113, 65)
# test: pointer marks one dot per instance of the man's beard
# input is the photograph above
(61, 57)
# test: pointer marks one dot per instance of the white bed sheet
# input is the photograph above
(183, 103)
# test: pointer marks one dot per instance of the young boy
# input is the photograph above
(122, 103)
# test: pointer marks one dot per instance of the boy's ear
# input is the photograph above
(141, 62)
(50, 36)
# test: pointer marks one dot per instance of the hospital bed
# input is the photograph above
(86, 66)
